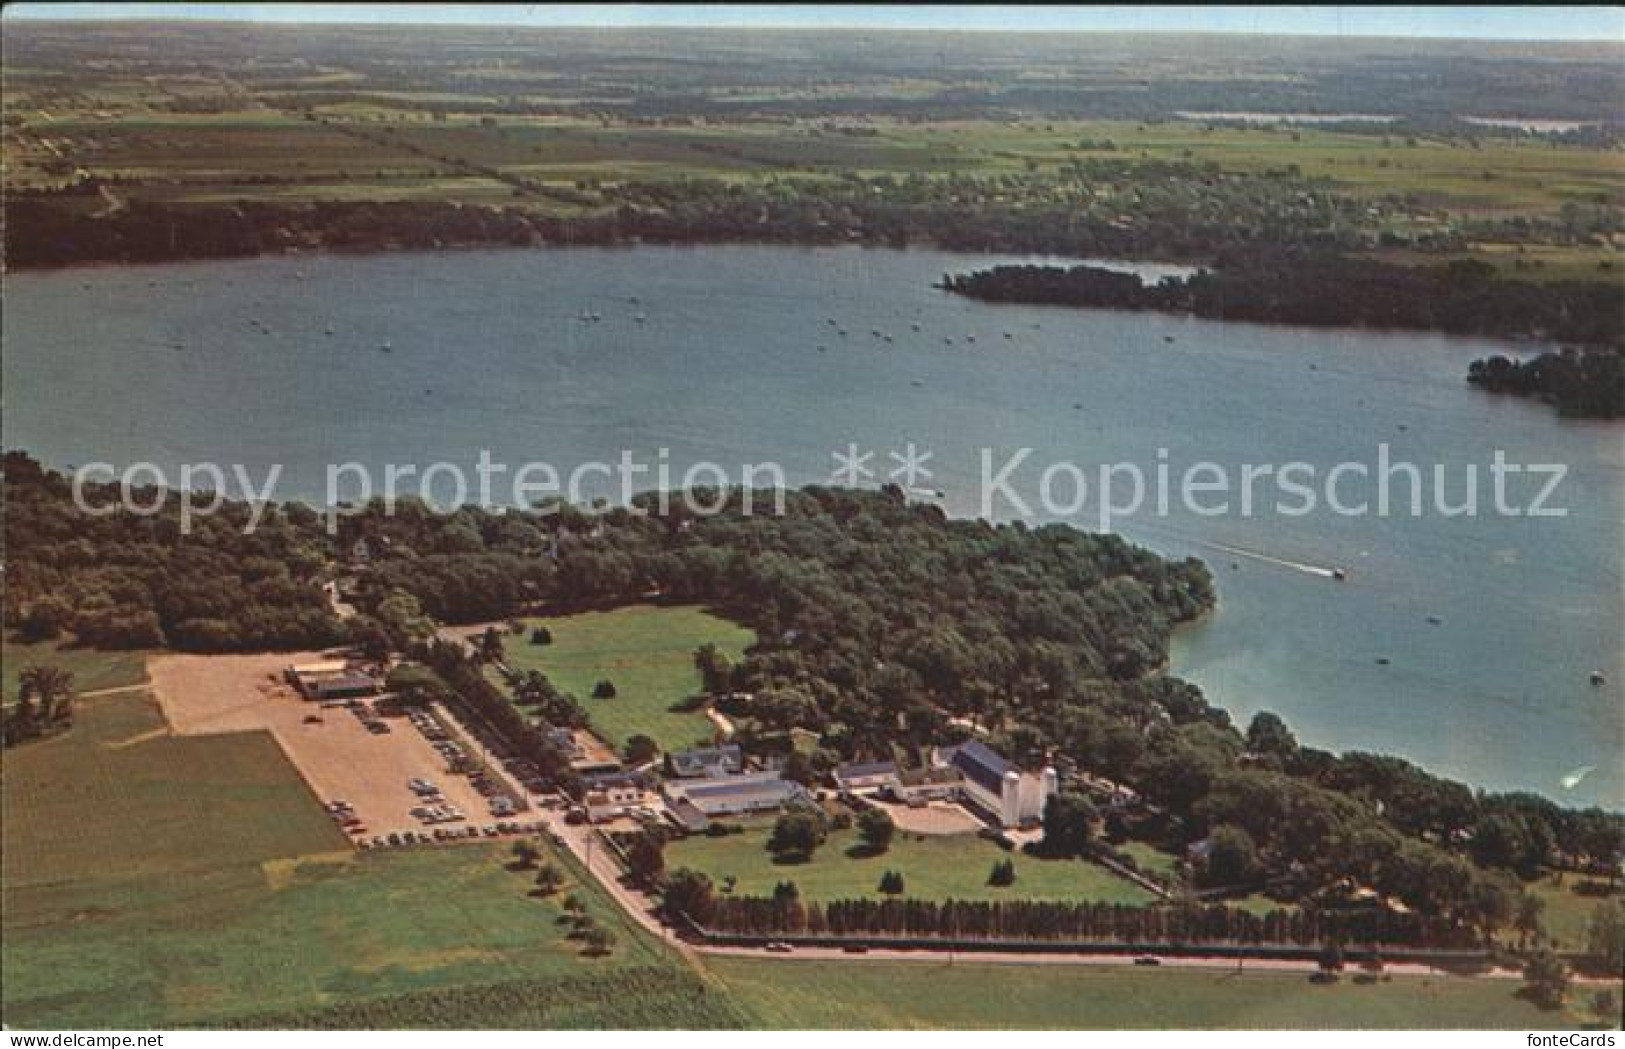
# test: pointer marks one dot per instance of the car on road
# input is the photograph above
(779, 947)
(1147, 959)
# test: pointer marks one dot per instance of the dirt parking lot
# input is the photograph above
(939, 817)
(337, 756)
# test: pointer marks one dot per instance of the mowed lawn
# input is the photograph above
(1569, 905)
(153, 880)
(902, 995)
(92, 669)
(933, 867)
(647, 651)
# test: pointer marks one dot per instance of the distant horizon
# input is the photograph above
(1532, 25)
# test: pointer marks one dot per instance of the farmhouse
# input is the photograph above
(610, 797)
(706, 762)
(916, 787)
(696, 802)
(865, 776)
(1004, 794)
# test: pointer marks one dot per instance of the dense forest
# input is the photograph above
(130, 580)
(1589, 384)
(1462, 297)
(878, 623)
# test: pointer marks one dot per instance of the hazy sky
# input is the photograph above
(1501, 23)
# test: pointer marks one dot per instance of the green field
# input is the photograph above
(117, 793)
(153, 880)
(1567, 912)
(647, 651)
(901, 995)
(91, 668)
(933, 867)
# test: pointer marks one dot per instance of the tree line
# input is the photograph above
(1328, 289)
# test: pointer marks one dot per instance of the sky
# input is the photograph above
(1497, 23)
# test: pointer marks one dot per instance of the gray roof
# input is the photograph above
(343, 683)
(758, 790)
(864, 769)
(981, 764)
(701, 758)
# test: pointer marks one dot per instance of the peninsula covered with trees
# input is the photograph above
(882, 627)
(1318, 289)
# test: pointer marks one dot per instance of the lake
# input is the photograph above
(1462, 643)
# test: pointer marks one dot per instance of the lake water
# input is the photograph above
(1462, 643)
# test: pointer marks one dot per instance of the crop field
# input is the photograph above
(119, 793)
(557, 127)
(92, 669)
(904, 995)
(933, 867)
(153, 880)
(647, 652)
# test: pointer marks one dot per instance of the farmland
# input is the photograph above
(155, 880)
(933, 867)
(902, 995)
(647, 652)
(557, 127)
(119, 793)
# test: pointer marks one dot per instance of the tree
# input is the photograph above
(798, 768)
(415, 685)
(891, 883)
(1267, 735)
(599, 940)
(875, 828)
(640, 750)
(1232, 857)
(1069, 820)
(605, 689)
(1331, 958)
(548, 880)
(1002, 874)
(1546, 979)
(796, 836)
(688, 896)
(541, 636)
(51, 689)
(492, 647)
(1605, 935)
(715, 670)
(646, 859)
(1527, 921)
(525, 854)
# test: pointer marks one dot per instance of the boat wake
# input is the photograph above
(1298, 566)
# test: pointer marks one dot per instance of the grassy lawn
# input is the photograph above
(933, 867)
(647, 651)
(900, 995)
(1150, 859)
(1568, 911)
(153, 880)
(91, 668)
